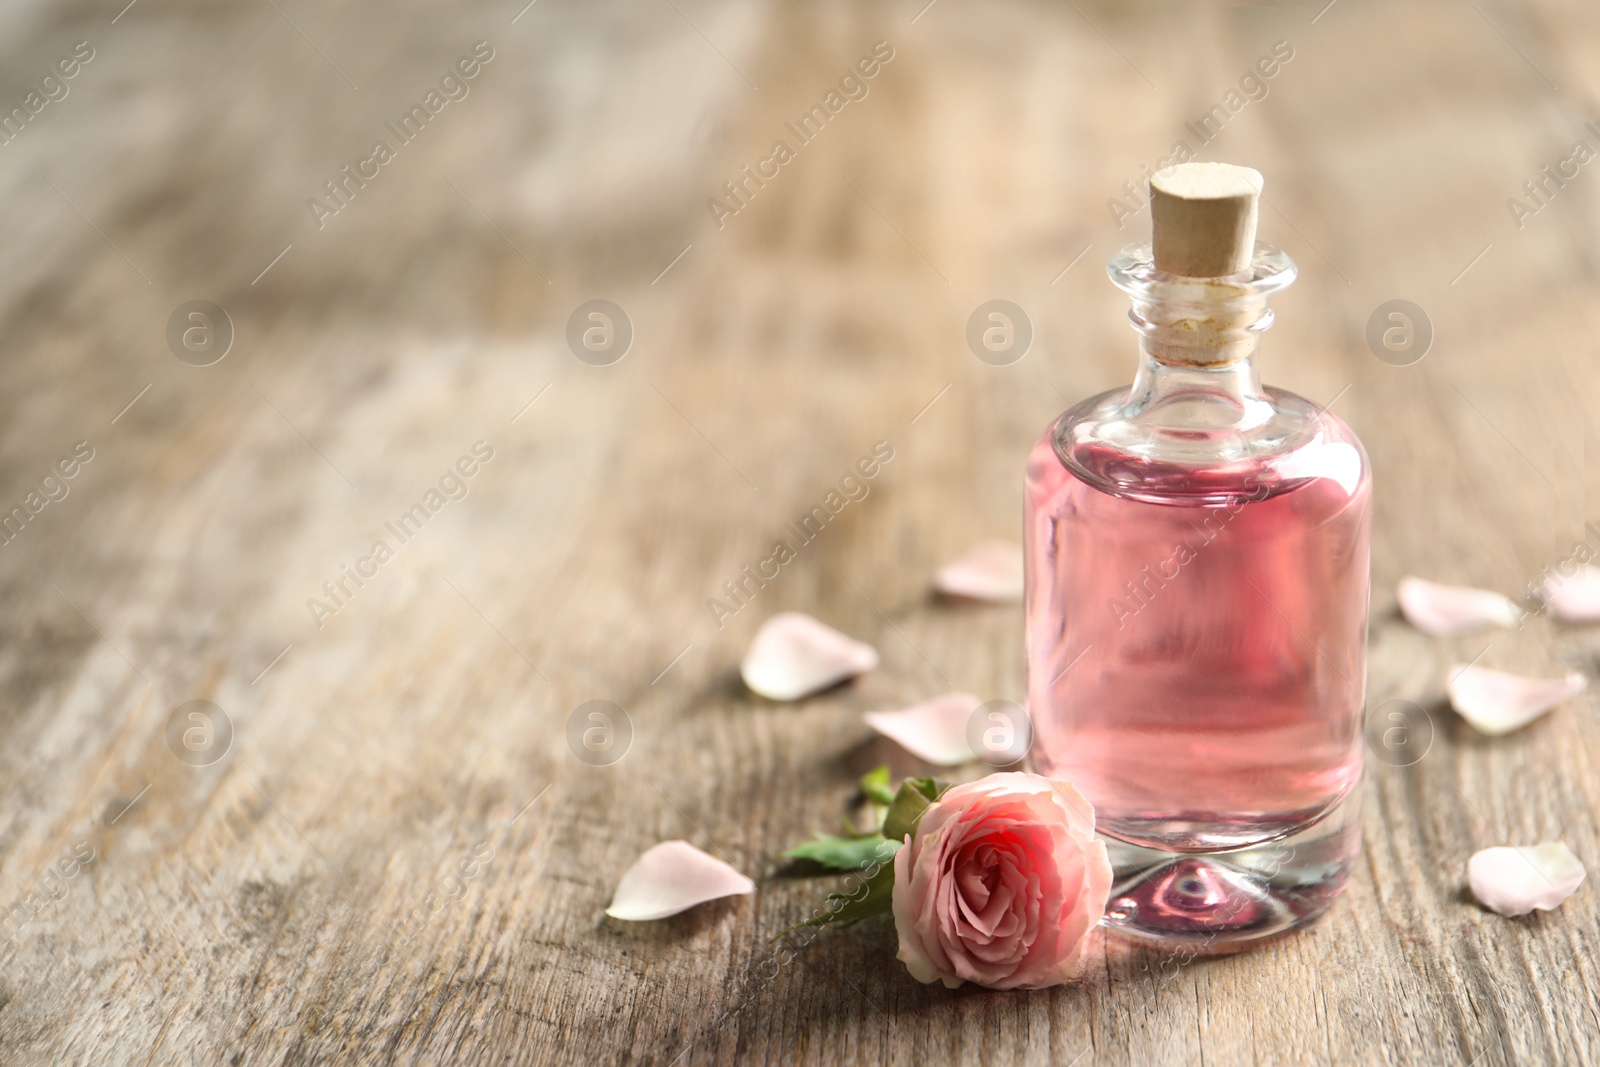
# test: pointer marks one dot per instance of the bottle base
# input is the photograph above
(1224, 901)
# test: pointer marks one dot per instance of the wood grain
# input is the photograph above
(298, 900)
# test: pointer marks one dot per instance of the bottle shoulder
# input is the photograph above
(1169, 455)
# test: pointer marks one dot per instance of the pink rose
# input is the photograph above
(1001, 884)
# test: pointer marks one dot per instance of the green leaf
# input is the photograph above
(872, 897)
(845, 853)
(875, 786)
(914, 798)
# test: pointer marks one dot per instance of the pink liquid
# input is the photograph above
(1197, 654)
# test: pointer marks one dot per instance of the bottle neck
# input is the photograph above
(1198, 338)
(1210, 322)
(1197, 427)
(1159, 381)
(1206, 398)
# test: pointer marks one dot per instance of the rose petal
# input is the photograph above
(934, 730)
(794, 655)
(988, 571)
(671, 877)
(1447, 610)
(1497, 703)
(1574, 599)
(1514, 881)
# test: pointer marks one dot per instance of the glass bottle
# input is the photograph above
(1197, 593)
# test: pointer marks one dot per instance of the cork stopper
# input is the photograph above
(1203, 218)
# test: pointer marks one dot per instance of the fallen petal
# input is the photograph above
(1514, 881)
(1497, 703)
(671, 877)
(1447, 610)
(1574, 599)
(989, 571)
(934, 730)
(794, 655)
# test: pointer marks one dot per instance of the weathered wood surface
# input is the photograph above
(245, 911)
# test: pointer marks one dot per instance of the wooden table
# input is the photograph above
(292, 893)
